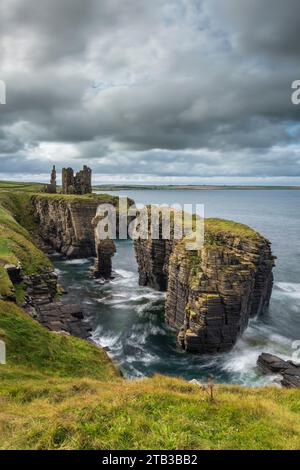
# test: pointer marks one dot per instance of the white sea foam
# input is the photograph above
(146, 358)
(107, 339)
(287, 289)
(59, 272)
(241, 362)
(77, 262)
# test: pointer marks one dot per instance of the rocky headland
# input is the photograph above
(211, 293)
(65, 222)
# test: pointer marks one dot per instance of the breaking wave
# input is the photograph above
(128, 321)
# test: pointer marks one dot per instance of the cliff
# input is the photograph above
(27, 276)
(65, 222)
(211, 293)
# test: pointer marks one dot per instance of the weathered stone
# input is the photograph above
(51, 188)
(211, 293)
(68, 181)
(79, 184)
(289, 371)
(105, 251)
(14, 272)
(66, 226)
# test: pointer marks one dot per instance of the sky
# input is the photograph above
(160, 92)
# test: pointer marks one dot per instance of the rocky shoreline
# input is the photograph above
(41, 302)
(211, 292)
(289, 371)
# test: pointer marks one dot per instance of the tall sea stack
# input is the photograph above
(212, 292)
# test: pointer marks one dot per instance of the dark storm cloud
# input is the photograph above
(262, 27)
(172, 87)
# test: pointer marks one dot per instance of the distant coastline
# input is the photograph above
(188, 187)
(37, 187)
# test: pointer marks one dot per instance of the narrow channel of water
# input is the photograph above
(128, 319)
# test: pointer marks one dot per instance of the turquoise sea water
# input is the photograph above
(128, 319)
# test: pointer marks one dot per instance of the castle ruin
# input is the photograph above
(80, 183)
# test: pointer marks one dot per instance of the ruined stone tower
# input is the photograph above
(81, 183)
(68, 181)
(51, 188)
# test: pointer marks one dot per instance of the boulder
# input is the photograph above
(289, 370)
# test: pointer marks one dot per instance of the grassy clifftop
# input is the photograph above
(16, 245)
(60, 392)
(17, 222)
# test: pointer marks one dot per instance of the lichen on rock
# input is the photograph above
(212, 292)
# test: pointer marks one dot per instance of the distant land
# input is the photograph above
(37, 187)
(113, 187)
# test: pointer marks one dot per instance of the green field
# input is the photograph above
(60, 392)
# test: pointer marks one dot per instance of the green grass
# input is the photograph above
(16, 244)
(60, 392)
(229, 227)
(24, 187)
(17, 223)
(78, 199)
(32, 346)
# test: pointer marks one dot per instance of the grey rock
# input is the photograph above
(290, 371)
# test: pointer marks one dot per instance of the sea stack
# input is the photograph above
(212, 292)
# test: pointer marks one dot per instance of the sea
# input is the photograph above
(128, 320)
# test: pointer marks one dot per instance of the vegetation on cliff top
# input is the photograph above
(24, 187)
(16, 244)
(33, 348)
(229, 227)
(18, 223)
(60, 392)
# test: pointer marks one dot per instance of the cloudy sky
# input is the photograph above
(167, 91)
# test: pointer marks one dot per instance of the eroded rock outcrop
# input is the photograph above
(41, 303)
(105, 250)
(211, 293)
(65, 223)
(153, 259)
(289, 370)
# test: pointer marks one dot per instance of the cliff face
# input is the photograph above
(65, 223)
(153, 259)
(211, 293)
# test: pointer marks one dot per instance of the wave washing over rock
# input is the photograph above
(210, 293)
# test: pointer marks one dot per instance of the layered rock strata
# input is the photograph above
(66, 223)
(40, 302)
(289, 370)
(105, 250)
(211, 293)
